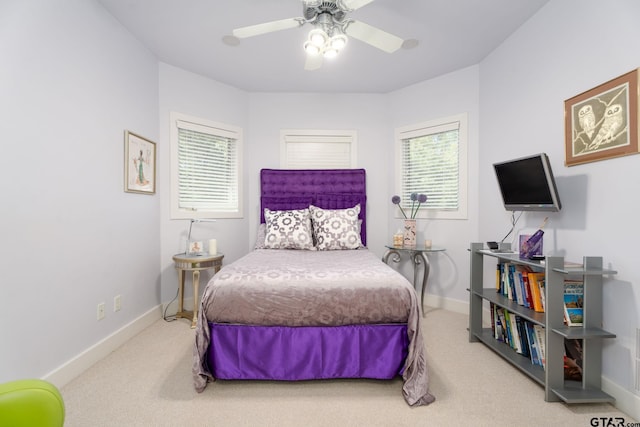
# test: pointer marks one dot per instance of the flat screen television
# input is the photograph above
(527, 184)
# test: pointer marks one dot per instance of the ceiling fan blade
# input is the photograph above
(267, 27)
(374, 36)
(354, 4)
(313, 62)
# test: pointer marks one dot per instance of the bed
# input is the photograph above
(312, 306)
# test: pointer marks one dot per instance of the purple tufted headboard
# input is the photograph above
(283, 189)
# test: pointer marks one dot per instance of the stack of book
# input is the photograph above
(520, 284)
(523, 336)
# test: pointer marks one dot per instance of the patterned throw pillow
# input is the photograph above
(336, 228)
(288, 229)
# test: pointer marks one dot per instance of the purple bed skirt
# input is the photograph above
(246, 352)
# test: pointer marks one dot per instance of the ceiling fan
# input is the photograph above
(331, 28)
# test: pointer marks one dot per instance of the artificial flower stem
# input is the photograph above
(402, 210)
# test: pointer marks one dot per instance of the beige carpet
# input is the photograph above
(147, 382)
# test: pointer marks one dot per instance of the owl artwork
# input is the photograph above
(612, 122)
(587, 120)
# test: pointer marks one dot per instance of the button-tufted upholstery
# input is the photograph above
(283, 189)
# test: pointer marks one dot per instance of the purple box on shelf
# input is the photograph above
(528, 249)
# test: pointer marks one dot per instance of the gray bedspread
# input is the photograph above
(313, 288)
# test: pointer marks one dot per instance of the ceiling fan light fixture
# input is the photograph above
(330, 52)
(311, 48)
(338, 42)
(318, 37)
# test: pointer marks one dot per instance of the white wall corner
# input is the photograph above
(67, 372)
(439, 302)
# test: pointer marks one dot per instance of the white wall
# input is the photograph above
(566, 49)
(194, 95)
(445, 96)
(71, 81)
(366, 114)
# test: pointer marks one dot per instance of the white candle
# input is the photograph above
(213, 247)
(427, 244)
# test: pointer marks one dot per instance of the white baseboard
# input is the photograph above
(457, 306)
(83, 361)
(626, 401)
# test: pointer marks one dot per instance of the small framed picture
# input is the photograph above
(195, 247)
(602, 122)
(139, 164)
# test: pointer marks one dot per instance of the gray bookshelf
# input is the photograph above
(591, 333)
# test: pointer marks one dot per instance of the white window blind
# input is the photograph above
(317, 149)
(206, 182)
(432, 161)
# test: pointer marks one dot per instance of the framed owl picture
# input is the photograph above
(602, 123)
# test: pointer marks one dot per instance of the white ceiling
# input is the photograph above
(452, 34)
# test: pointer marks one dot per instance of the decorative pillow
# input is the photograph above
(262, 232)
(288, 229)
(285, 203)
(336, 228)
(343, 201)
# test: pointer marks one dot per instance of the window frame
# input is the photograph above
(316, 136)
(218, 129)
(427, 128)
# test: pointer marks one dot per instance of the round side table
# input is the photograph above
(195, 263)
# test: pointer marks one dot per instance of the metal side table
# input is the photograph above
(418, 255)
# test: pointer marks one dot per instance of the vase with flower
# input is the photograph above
(409, 230)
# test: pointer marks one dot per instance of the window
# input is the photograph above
(432, 159)
(317, 149)
(205, 169)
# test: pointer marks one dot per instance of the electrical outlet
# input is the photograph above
(117, 303)
(101, 311)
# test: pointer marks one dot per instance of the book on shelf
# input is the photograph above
(523, 275)
(522, 335)
(515, 284)
(512, 336)
(507, 284)
(512, 282)
(573, 302)
(503, 322)
(497, 323)
(536, 285)
(533, 345)
(516, 332)
(540, 335)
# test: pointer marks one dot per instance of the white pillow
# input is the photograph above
(288, 229)
(336, 228)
